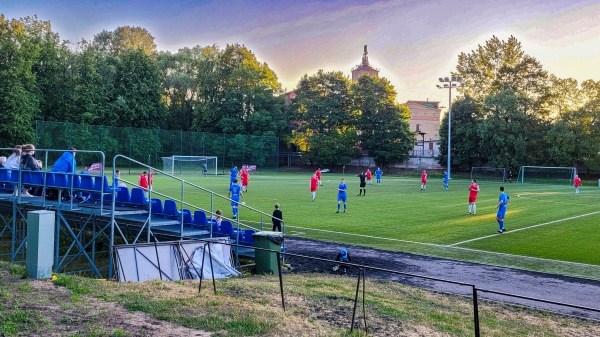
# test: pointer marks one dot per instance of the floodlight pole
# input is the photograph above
(448, 84)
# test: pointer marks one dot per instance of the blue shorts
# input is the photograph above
(235, 200)
(445, 181)
(231, 179)
(342, 197)
(501, 212)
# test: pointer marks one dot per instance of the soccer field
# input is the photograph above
(549, 227)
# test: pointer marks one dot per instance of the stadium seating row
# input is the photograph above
(83, 182)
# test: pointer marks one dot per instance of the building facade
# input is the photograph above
(425, 122)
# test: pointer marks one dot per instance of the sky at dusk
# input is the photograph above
(413, 42)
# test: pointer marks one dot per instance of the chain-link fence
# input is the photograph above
(150, 145)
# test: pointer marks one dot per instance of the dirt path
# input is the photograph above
(570, 290)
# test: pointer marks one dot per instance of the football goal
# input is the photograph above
(547, 175)
(488, 173)
(197, 165)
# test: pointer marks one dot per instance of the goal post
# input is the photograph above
(547, 175)
(488, 173)
(192, 165)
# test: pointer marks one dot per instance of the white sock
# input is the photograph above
(469, 208)
(474, 208)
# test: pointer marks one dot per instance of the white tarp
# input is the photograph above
(174, 260)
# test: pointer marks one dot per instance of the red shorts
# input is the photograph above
(472, 198)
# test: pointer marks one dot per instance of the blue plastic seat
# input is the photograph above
(5, 175)
(101, 184)
(123, 197)
(187, 216)
(227, 228)
(35, 178)
(137, 197)
(200, 218)
(86, 182)
(62, 180)
(247, 238)
(170, 209)
(157, 207)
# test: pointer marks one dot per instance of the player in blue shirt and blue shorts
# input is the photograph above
(502, 203)
(341, 195)
(378, 174)
(235, 192)
(445, 180)
(233, 175)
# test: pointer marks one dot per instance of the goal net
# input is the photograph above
(488, 173)
(196, 165)
(547, 175)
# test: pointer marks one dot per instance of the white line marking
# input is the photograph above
(524, 228)
(367, 236)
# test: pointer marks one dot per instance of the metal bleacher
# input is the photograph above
(87, 232)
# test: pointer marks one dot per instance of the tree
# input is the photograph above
(125, 38)
(383, 126)
(322, 111)
(466, 143)
(504, 132)
(500, 65)
(19, 101)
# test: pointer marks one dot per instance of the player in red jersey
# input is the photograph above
(318, 173)
(314, 185)
(368, 174)
(473, 190)
(577, 183)
(424, 180)
(244, 176)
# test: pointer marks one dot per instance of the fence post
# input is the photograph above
(280, 280)
(355, 302)
(475, 312)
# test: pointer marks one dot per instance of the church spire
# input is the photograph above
(365, 59)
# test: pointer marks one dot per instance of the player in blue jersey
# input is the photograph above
(235, 192)
(342, 195)
(502, 203)
(233, 175)
(378, 174)
(445, 180)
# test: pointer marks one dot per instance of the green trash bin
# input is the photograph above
(266, 262)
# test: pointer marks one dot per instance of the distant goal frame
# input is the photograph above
(489, 169)
(172, 170)
(567, 179)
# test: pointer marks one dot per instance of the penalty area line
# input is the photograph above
(367, 236)
(524, 228)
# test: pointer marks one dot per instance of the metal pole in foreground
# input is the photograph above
(449, 125)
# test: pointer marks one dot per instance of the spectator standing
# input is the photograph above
(369, 176)
(277, 219)
(143, 182)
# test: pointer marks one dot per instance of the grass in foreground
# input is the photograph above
(317, 305)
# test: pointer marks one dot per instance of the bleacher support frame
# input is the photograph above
(86, 234)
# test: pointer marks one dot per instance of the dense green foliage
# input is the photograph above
(511, 112)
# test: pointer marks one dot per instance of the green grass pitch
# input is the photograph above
(549, 227)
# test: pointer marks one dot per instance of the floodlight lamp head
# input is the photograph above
(439, 86)
(453, 78)
(441, 79)
(459, 79)
(454, 84)
(446, 86)
(446, 79)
